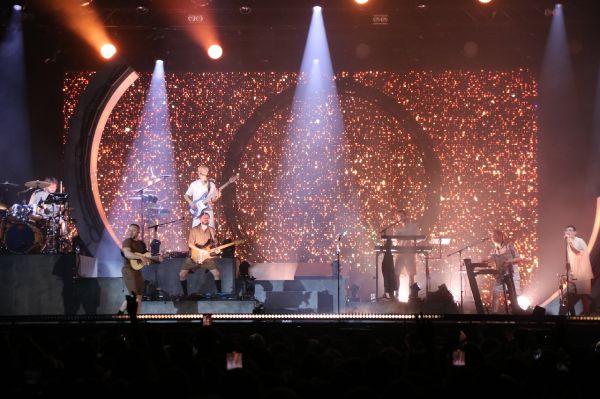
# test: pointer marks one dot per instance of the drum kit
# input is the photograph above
(45, 227)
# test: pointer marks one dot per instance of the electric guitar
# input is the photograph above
(202, 202)
(199, 255)
(138, 264)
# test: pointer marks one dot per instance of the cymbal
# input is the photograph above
(9, 184)
(146, 190)
(37, 184)
(2, 207)
(158, 208)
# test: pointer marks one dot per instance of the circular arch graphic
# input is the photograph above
(345, 86)
(109, 85)
(81, 160)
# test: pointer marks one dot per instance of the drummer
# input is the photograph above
(43, 189)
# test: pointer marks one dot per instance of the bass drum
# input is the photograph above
(22, 238)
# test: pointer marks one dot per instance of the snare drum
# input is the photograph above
(23, 238)
(19, 213)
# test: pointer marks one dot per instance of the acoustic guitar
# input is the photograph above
(199, 255)
(138, 264)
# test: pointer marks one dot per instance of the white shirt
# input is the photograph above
(581, 268)
(39, 194)
(198, 189)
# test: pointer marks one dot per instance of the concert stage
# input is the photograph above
(66, 285)
(53, 285)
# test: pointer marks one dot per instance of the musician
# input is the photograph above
(131, 249)
(405, 262)
(580, 266)
(509, 253)
(200, 236)
(202, 189)
(36, 201)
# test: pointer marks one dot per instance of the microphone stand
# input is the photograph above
(158, 294)
(338, 267)
(460, 268)
(567, 300)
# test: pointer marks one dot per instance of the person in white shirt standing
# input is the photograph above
(201, 195)
(579, 266)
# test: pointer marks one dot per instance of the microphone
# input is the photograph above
(343, 234)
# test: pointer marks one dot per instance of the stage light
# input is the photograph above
(108, 50)
(361, 2)
(17, 7)
(523, 302)
(317, 8)
(485, 1)
(142, 10)
(215, 51)
(195, 18)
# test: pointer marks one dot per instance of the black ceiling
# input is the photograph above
(270, 35)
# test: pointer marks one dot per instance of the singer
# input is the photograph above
(202, 192)
(580, 268)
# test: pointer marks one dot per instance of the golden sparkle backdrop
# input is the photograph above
(482, 124)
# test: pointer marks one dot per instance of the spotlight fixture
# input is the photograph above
(86, 3)
(201, 3)
(141, 9)
(108, 50)
(17, 7)
(195, 18)
(380, 19)
(245, 10)
(215, 51)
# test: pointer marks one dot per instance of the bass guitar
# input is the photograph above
(202, 202)
(199, 255)
(138, 264)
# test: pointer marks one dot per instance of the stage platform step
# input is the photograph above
(199, 307)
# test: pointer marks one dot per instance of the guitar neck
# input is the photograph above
(225, 185)
(229, 244)
(205, 200)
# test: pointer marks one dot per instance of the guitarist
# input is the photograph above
(131, 249)
(201, 236)
(203, 188)
(508, 270)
